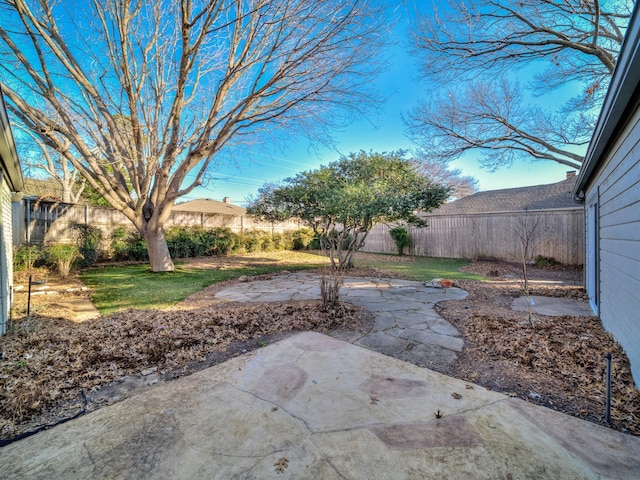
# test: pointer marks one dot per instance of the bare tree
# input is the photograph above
(471, 43)
(439, 172)
(528, 238)
(35, 155)
(145, 92)
(492, 117)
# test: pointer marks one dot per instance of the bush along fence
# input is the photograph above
(183, 242)
(52, 222)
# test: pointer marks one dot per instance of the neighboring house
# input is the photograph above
(609, 186)
(11, 184)
(214, 207)
(36, 188)
(39, 209)
(213, 214)
(537, 197)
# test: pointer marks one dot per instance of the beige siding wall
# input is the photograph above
(557, 233)
(618, 186)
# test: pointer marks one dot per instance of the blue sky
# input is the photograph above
(384, 131)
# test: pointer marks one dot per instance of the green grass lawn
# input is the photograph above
(136, 286)
(421, 269)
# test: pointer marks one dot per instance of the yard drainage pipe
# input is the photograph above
(608, 406)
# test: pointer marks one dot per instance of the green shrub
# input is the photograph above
(128, 245)
(253, 241)
(266, 242)
(282, 241)
(302, 239)
(88, 239)
(400, 237)
(62, 256)
(314, 244)
(26, 256)
(118, 242)
(224, 241)
(203, 241)
(544, 262)
(179, 242)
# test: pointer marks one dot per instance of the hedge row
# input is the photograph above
(183, 242)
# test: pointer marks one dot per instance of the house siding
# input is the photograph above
(616, 187)
(6, 254)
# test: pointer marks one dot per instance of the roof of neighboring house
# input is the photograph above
(538, 197)
(36, 187)
(207, 205)
(621, 101)
(8, 154)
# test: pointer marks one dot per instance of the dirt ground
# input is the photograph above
(53, 369)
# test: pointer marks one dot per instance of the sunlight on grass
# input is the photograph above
(422, 269)
(136, 286)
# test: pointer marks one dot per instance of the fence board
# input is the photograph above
(51, 223)
(559, 234)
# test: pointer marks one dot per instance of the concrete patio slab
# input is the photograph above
(553, 306)
(313, 407)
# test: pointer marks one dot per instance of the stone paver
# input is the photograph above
(406, 323)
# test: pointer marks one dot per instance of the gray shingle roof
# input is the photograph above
(206, 205)
(538, 197)
(36, 187)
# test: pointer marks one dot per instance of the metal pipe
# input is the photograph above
(29, 298)
(28, 220)
(11, 310)
(608, 406)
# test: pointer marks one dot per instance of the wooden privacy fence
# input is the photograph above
(557, 233)
(51, 222)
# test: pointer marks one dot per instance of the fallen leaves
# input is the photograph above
(561, 359)
(49, 364)
(281, 465)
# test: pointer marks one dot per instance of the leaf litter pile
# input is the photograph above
(555, 361)
(54, 369)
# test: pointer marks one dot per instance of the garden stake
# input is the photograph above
(29, 298)
(10, 312)
(608, 407)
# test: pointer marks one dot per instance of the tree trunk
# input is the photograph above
(159, 256)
